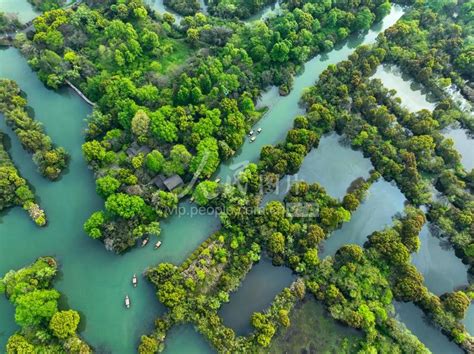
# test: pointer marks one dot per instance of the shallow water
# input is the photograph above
(159, 6)
(312, 330)
(255, 294)
(412, 95)
(383, 202)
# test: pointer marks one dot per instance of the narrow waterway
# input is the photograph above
(431, 337)
(255, 294)
(414, 97)
(279, 118)
(93, 281)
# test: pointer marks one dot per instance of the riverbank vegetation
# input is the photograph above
(155, 130)
(44, 327)
(47, 5)
(14, 190)
(51, 160)
(9, 23)
(148, 127)
(357, 285)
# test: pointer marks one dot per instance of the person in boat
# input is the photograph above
(157, 245)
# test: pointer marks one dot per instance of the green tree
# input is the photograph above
(64, 323)
(205, 192)
(107, 185)
(155, 161)
(276, 243)
(207, 160)
(126, 206)
(141, 126)
(35, 307)
(93, 225)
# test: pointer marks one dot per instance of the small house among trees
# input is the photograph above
(169, 183)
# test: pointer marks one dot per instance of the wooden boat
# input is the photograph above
(251, 133)
(252, 139)
(157, 245)
(145, 241)
(218, 180)
(134, 280)
(259, 130)
(127, 302)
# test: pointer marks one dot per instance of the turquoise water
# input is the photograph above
(21, 8)
(185, 340)
(93, 280)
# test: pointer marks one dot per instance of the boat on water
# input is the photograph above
(251, 133)
(252, 139)
(134, 280)
(145, 241)
(218, 180)
(259, 130)
(127, 302)
(157, 245)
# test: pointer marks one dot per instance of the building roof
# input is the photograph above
(173, 182)
(158, 181)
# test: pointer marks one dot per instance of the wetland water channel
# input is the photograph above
(93, 280)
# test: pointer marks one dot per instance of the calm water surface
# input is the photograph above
(440, 267)
(464, 144)
(21, 8)
(185, 340)
(384, 200)
(255, 294)
(431, 337)
(332, 164)
(93, 281)
(412, 95)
